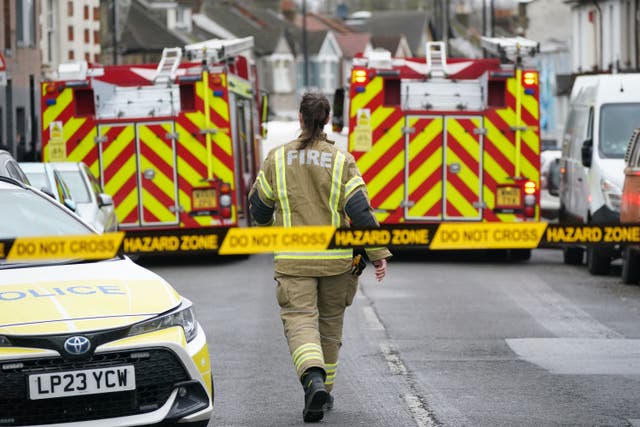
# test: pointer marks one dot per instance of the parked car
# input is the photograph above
(630, 208)
(85, 342)
(549, 202)
(47, 179)
(603, 112)
(92, 204)
(10, 167)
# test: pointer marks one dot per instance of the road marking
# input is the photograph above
(575, 356)
(422, 416)
(393, 361)
(554, 312)
(372, 319)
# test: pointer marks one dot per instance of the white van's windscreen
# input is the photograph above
(617, 122)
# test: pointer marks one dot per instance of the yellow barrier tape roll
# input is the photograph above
(524, 235)
(66, 247)
(270, 239)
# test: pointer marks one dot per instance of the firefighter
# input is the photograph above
(308, 182)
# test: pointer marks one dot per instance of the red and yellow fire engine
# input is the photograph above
(447, 139)
(174, 143)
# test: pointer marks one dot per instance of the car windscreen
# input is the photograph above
(617, 122)
(39, 180)
(24, 213)
(77, 186)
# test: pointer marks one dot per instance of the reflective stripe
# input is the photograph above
(352, 184)
(281, 183)
(330, 369)
(264, 185)
(336, 180)
(328, 254)
(307, 352)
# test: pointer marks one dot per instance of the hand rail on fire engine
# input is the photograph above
(168, 65)
(437, 59)
(216, 50)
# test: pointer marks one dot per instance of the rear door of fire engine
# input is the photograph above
(138, 167)
(242, 128)
(443, 177)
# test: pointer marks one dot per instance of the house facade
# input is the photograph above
(20, 36)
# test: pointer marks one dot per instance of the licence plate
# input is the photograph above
(87, 381)
(508, 196)
(204, 199)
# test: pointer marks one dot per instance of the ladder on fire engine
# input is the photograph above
(216, 50)
(166, 71)
(436, 59)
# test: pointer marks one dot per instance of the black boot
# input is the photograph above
(328, 405)
(315, 395)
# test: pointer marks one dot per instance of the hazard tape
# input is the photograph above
(254, 240)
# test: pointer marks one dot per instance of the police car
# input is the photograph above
(91, 342)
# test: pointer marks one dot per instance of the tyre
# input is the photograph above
(630, 267)
(520, 254)
(598, 261)
(572, 255)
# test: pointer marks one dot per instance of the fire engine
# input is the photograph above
(174, 143)
(447, 139)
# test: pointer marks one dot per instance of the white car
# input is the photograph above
(549, 203)
(91, 343)
(89, 201)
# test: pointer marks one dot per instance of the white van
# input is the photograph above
(604, 111)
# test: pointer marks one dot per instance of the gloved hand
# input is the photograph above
(358, 264)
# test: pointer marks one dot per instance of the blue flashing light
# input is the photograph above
(359, 89)
(50, 102)
(218, 93)
(530, 91)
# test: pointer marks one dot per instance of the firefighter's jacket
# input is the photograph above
(311, 187)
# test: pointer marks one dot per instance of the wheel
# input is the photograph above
(598, 261)
(520, 254)
(630, 267)
(572, 255)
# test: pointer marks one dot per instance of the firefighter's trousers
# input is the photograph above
(312, 311)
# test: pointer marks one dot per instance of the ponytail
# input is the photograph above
(315, 110)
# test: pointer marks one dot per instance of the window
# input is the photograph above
(282, 75)
(96, 37)
(69, 8)
(7, 24)
(70, 33)
(87, 57)
(86, 13)
(617, 122)
(72, 55)
(50, 29)
(96, 13)
(87, 36)
(25, 23)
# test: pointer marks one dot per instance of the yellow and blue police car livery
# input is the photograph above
(99, 344)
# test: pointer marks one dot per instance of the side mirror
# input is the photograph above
(104, 200)
(553, 179)
(587, 152)
(337, 119)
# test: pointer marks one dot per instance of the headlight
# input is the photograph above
(4, 341)
(183, 316)
(612, 194)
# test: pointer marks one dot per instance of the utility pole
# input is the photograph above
(305, 50)
(114, 31)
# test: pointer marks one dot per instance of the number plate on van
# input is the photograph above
(204, 199)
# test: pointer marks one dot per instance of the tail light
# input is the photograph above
(530, 197)
(225, 200)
